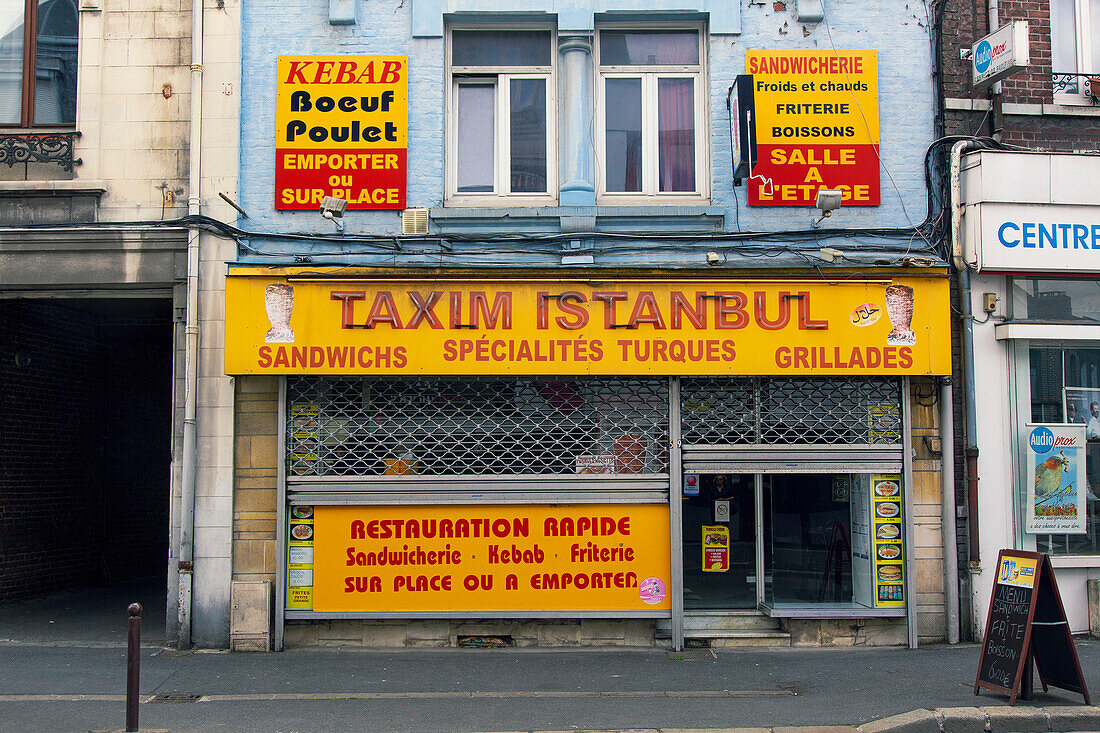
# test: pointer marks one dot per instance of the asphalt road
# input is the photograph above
(492, 690)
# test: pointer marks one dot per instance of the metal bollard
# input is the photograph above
(133, 665)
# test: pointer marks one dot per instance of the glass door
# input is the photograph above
(816, 540)
(719, 536)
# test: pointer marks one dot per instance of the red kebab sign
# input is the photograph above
(816, 126)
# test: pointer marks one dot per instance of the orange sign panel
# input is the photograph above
(280, 325)
(816, 126)
(491, 558)
(341, 125)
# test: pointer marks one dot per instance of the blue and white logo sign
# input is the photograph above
(1041, 440)
(983, 54)
(1004, 51)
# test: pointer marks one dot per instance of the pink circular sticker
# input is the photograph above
(651, 590)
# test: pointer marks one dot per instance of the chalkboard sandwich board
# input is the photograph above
(1027, 622)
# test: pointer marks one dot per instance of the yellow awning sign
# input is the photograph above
(281, 325)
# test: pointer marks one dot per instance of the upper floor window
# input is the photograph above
(38, 62)
(651, 140)
(500, 116)
(1075, 47)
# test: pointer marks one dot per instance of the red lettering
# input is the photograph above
(295, 74)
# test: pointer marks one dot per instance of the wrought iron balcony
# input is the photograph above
(39, 147)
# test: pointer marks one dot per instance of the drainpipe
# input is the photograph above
(967, 316)
(950, 538)
(191, 341)
(996, 115)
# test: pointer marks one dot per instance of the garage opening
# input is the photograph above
(85, 449)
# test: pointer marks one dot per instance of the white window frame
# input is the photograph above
(500, 77)
(1088, 55)
(651, 193)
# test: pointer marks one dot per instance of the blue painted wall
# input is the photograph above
(897, 29)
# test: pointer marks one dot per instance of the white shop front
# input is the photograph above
(1030, 240)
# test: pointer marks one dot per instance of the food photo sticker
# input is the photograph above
(888, 532)
(889, 573)
(887, 509)
(886, 488)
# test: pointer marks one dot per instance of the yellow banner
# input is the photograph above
(815, 96)
(281, 325)
(341, 129)
(491, 558)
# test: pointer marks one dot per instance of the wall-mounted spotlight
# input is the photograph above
(333, 208)
(828, 200)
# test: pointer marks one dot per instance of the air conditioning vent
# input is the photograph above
(414, 221)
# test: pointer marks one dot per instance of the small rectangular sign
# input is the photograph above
(1000, 54)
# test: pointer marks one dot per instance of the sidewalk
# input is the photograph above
(68, 687)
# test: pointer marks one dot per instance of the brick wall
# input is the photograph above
(84, 450)
(254, 472)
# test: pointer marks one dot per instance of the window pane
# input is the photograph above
(475, 137)
(619, 48)
(55, 63)
(500, 48)
(528, 135)
(11, 61)
(1066, 301)
(1094, 32)
(624, 134)
(1063, 38)
(676, 134)
(808, 528)
(1077, 370)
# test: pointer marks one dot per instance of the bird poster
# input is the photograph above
(1056, 488)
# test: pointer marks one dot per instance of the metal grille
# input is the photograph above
(475, 426)
(767, 411)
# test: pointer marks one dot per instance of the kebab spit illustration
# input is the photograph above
(899, 309)
(1048, 476)
(279, 302)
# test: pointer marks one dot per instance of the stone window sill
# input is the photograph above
(565, 219)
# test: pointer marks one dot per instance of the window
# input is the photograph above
(1065, 388)
(501, 116)
(1075, 47)
(38, 62)
(652, 114)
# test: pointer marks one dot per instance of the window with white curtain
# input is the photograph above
(500, 116)
(1075, 47)
(652, 120)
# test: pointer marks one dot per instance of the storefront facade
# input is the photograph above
(633, 460)
(1030, 224)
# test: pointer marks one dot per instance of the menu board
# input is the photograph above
(1027, 621)
(888, 542)
(299, 572)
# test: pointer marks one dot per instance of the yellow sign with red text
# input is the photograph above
(816, 126)
(520, 558)
(341, 125)
(282, 325)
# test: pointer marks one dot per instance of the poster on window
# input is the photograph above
(1055, 483)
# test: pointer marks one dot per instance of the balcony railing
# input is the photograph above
(39, 147)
